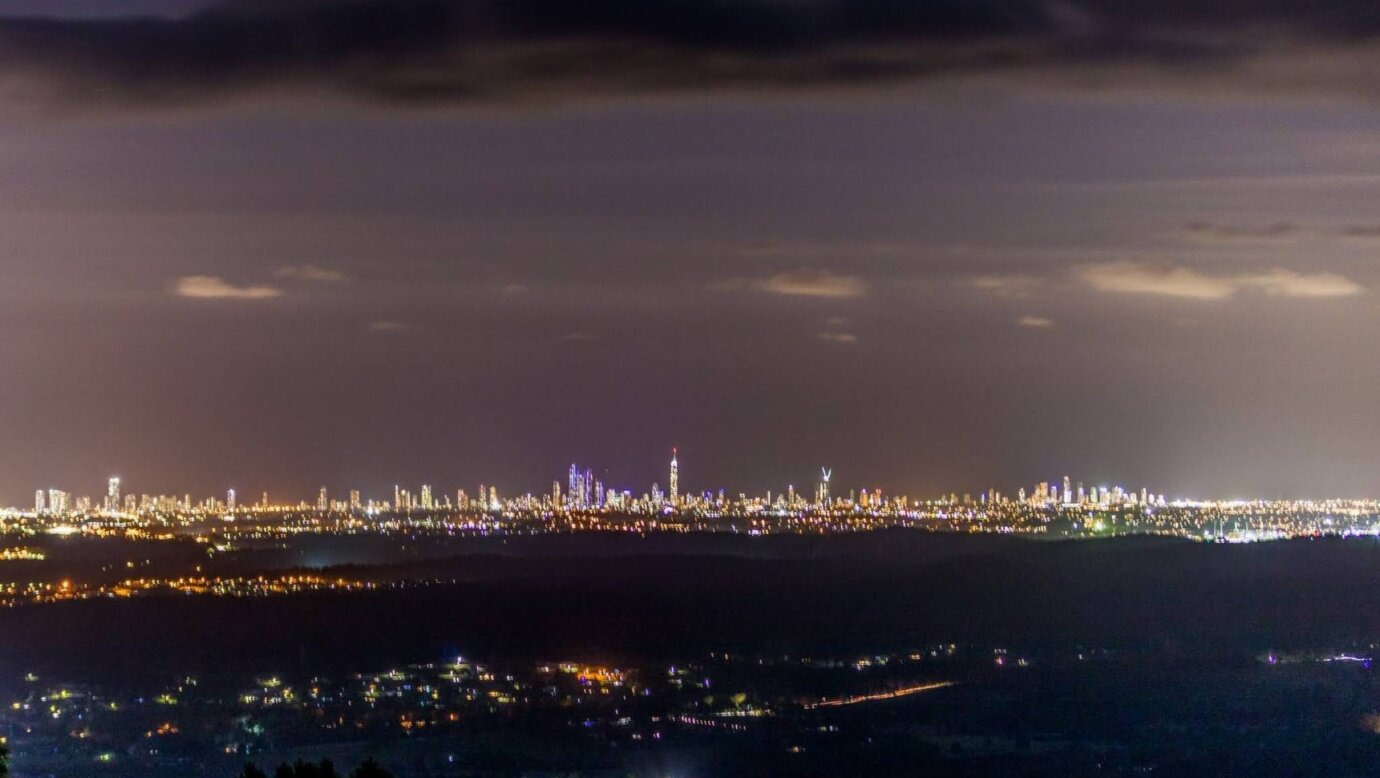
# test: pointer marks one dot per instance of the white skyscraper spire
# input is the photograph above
(675, 478)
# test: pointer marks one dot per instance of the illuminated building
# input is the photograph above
(112, 495)
(675, 479)
(354, 500)
(426, 497)
(39, 502)
(322, 504)
(230, 501)
(822, 493)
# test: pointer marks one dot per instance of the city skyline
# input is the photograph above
(586, 488)
(940, 273)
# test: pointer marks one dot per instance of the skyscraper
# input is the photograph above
(230, 501)
(112, 495)
(675, 479)
(39, 502)
(824, 475)
(321, 502)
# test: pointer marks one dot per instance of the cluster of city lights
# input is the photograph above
(582, 501)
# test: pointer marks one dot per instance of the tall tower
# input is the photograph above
(824, 475)
(675, 479)
(321, 502)
(112, 495)
(230, 501)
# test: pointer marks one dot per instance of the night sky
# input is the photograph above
(935, 245)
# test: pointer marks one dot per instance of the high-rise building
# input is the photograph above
(354, 500)
(322, 504)
(822, 496)
(675, 479)
(426, 497)
(112, 495)
(58, 501)
(230, 501)
(40, 505)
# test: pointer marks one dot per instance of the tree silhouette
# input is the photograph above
(4, 761)
(369, 768)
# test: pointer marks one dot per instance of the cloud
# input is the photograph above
(388, 325)
(1016, 286)
(309, 273)
(805, 282)
(1287, 283)
(1151, 278)
(846, 338)
(1132, 277)
(1228, 233)
(1035, 322)
(1361, 232)
(216, 288)
(466, 51)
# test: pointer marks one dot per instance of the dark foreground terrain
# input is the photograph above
(1113, 656)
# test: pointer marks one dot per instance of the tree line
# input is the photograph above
(303, 769)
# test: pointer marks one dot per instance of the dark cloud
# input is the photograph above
(1215, 231)
(452, 51)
